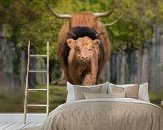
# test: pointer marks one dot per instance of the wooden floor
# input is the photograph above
(17, 126)
(14, 121)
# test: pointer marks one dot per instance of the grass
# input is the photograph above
(57, 96)
(156, 98)
(15, 104)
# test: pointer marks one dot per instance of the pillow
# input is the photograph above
(131, 91)
(143, 90)
(103, 95)
(123, 85)
(76, 92)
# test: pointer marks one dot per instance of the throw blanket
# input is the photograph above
(106, 114)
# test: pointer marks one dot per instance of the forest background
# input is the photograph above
(24, 20)
(31, 20)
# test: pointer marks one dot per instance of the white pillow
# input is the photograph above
(70, 95)
(71, 90)
(103, 95)
(143, 90)
(123, 85)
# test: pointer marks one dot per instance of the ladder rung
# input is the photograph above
(38, 71)
(37, 89)
(36, 105)
(38, 55)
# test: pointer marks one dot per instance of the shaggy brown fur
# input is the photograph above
(83, 19)
(63, 52)
(84, 57)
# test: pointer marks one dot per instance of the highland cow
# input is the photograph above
(83, 46)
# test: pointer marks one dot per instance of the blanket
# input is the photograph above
(106, 114)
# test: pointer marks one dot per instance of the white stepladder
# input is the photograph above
(26, 105)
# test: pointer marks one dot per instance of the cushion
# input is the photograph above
(76, 92)
(103, 95)
(143, 90)
(131, 91)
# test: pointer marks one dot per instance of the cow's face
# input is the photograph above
(84, 48)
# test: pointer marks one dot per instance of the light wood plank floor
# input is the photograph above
(14, 121)
(17, 126)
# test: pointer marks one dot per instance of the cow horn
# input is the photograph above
(106, 13)
(61, 16)
(112, 23)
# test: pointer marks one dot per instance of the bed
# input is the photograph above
(99, 112)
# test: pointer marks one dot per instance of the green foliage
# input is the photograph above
(31, 20)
